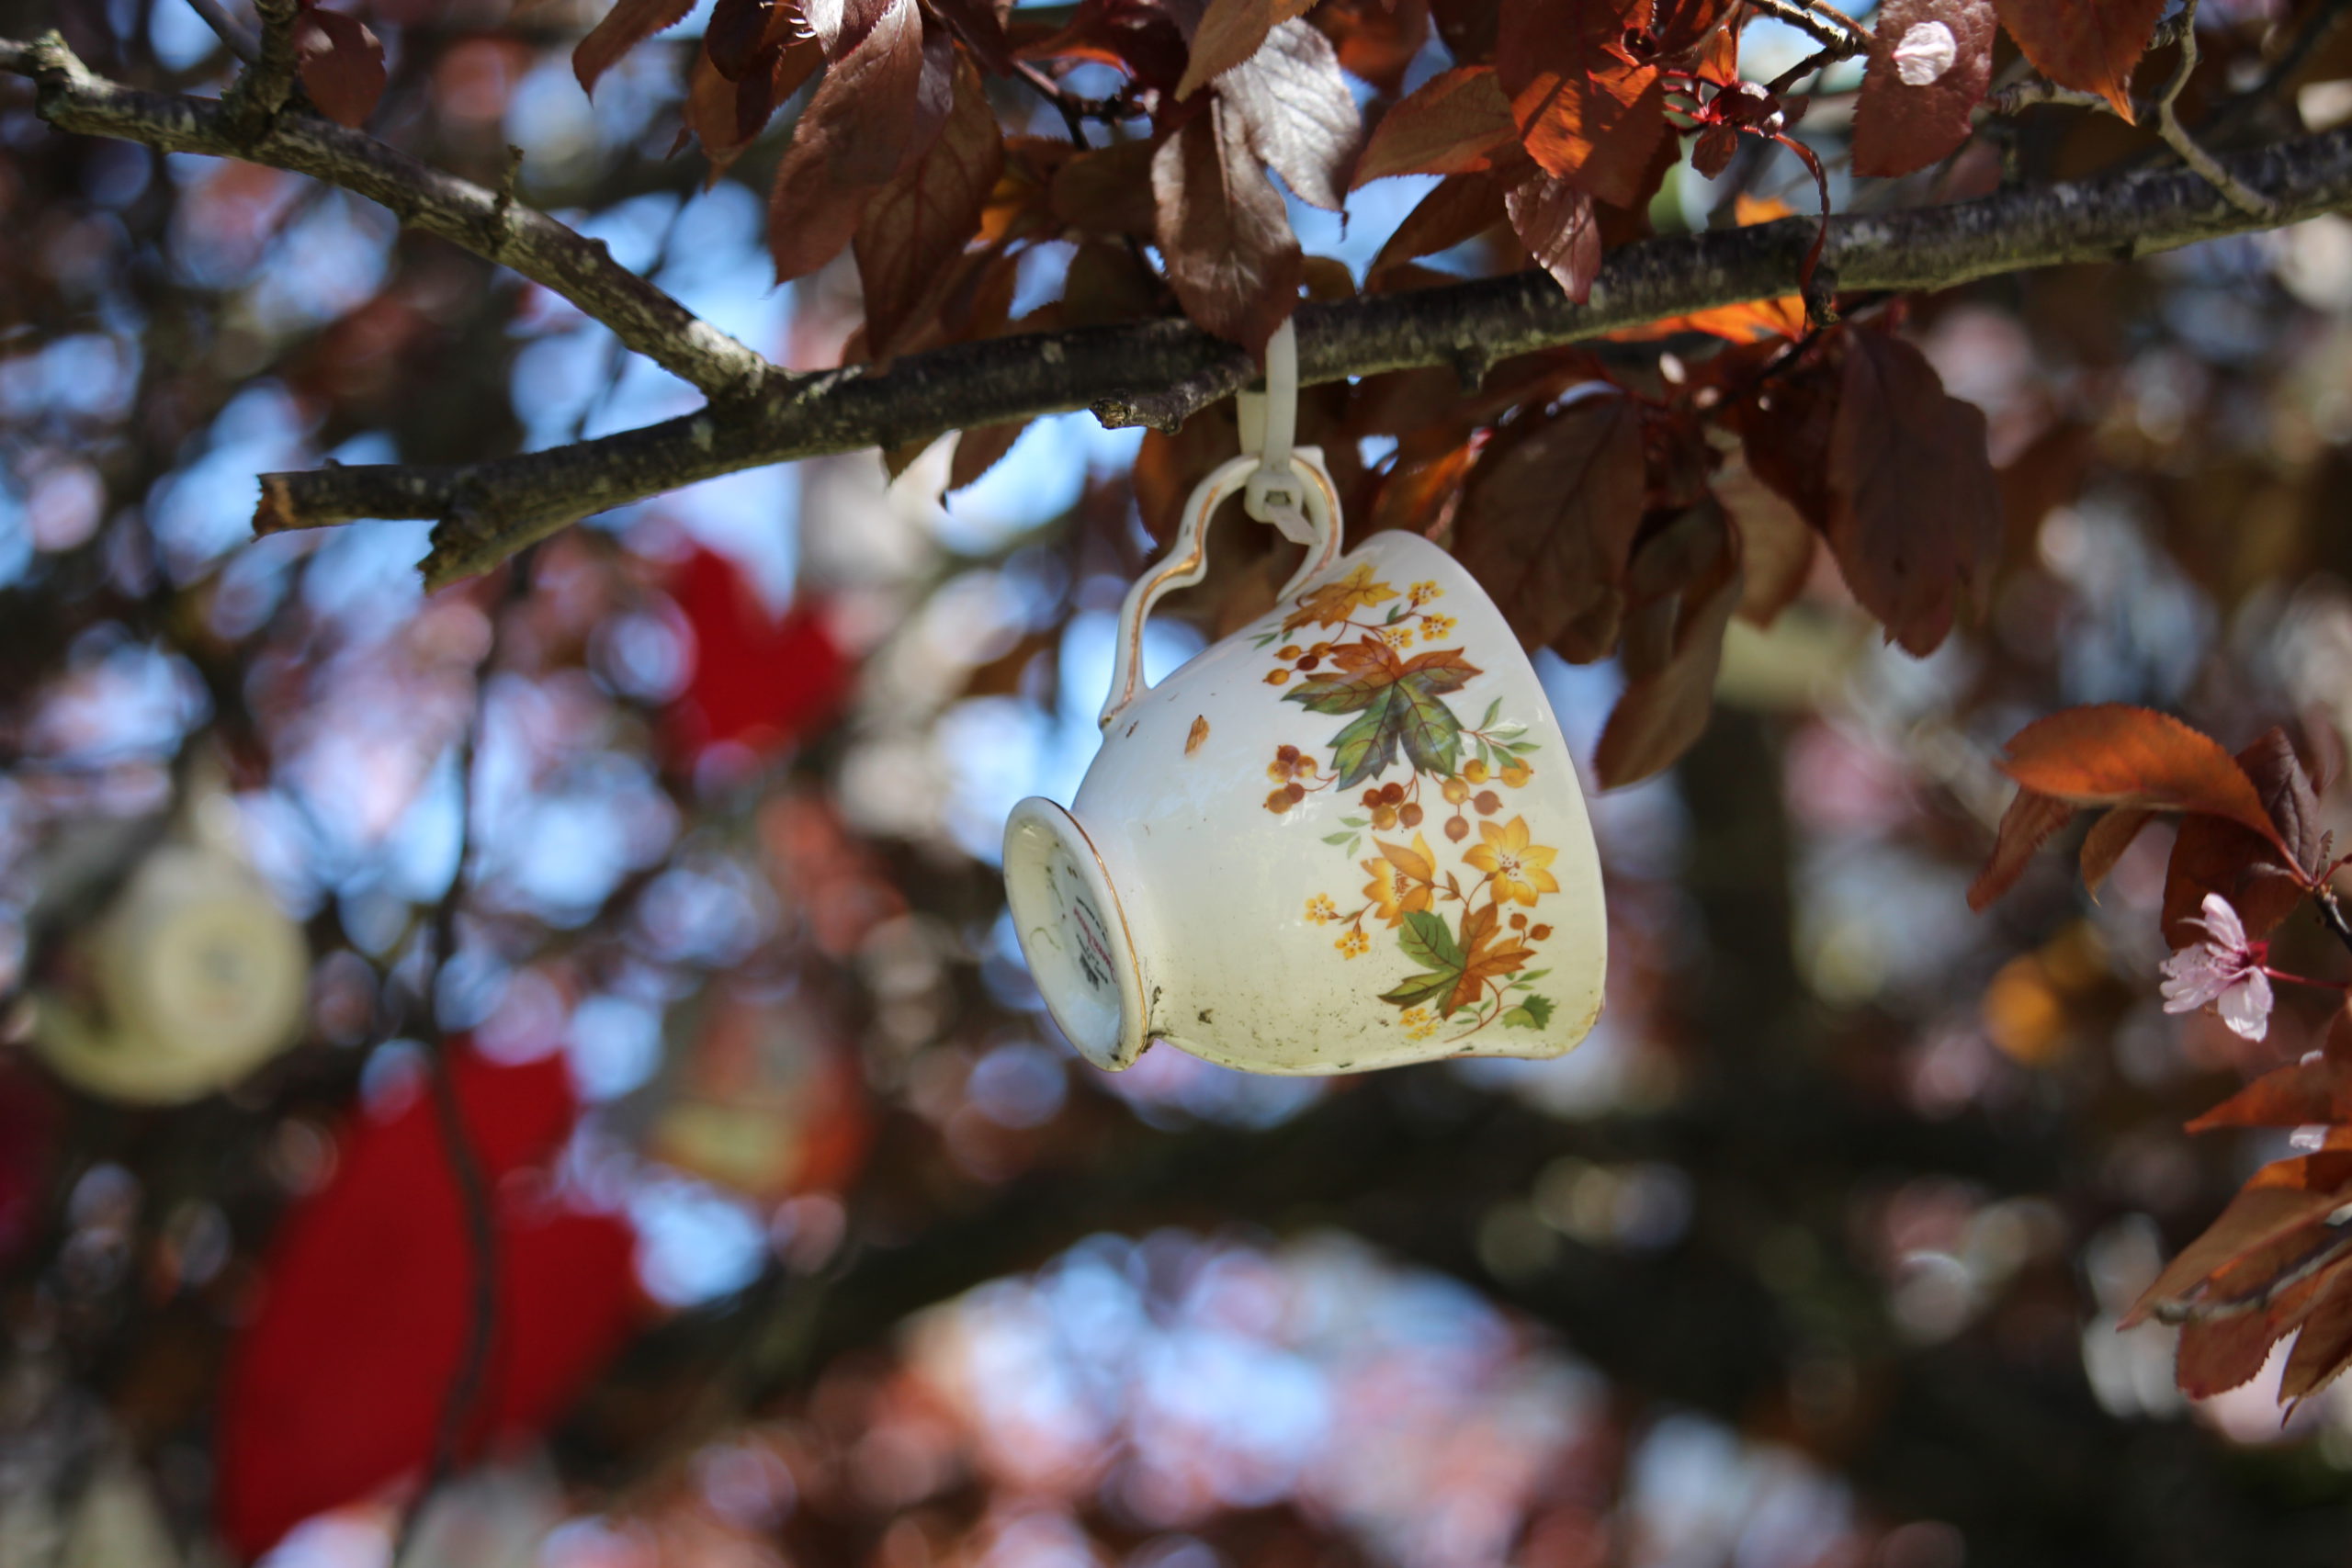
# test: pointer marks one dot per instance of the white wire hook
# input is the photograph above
(1275, 492)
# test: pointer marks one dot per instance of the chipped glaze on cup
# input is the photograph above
(1348, 836)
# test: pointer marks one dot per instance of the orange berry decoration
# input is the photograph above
(1457, 829)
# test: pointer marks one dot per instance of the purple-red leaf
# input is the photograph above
(1584, 112)
(1915, 511)
(1300, 117)
(1670, 668)
(1451, 124)
(2088, 44)
(1555, 220)
(1930, 62)
(920, 223)
(340, 64)
(1232, 259)
(1549, 517)
(627, 25)
(1229, 32)
(1461, 208)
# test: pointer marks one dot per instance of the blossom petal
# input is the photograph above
(2246, 1007)
(2229, 931)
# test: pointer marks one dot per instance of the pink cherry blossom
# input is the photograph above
(2224, 969)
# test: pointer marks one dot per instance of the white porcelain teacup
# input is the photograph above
(1347, 836)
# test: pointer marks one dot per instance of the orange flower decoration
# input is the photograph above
(1517, 866)
(1401, 879)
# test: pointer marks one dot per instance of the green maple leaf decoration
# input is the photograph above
(1396, 704)
(1533, 1013)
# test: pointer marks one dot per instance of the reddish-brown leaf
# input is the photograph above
(2109, 838)
(1230, 31)
(1775, 544)
(1461, 208)
(2089, 44)
(1785, 428)
(2026, 826)
(2298, 1095)
(921, 222)
(1679, 26)
(1449, 125)
(736, 35)
(1584, 111)
(2282, 1197)
(342, 64)
(1107, 190)
(1555, 220)
(2325, 1346)
(627, 25)
(981, 449)
(1232, 259)
(1671, 685)
(892, 83)
(2287, 795)
(1422, 491)
(1549, 516)
(1300, 114)
(847, 144)
(2215, 856)
(1139, 37)
(1930, 62)
(2115, 754)
(1378, 39)
(1915, 512)
(2218, 1354)
(1106, 284)
(982, 30)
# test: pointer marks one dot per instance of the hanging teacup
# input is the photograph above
(1347, 836)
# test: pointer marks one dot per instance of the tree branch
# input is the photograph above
(488, 510)
(250, 124)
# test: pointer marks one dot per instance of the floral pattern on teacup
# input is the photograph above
(1466, 918)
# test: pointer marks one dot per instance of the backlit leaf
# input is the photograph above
(1230, 31)
(2026, 826)
(1301, 116)
(627, 25)
(1555, 220)
(1461, 208)
(1584, 111)
(920, 223)
(1450, 124)
(2115, 754)
(2088, 44)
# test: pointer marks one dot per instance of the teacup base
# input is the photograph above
(1074, 932)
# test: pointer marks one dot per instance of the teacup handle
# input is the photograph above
(1187, 559)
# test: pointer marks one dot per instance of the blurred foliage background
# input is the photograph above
(1811, 1255)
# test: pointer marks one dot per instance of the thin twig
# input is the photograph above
(1829, 27)
(463, 1398)
(241, 41)
(508, 502)
(251, 123)
(2251, 203)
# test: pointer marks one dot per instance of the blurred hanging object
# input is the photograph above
(767, 1098)
(168, 970)
(337, 1385)
(759, 683)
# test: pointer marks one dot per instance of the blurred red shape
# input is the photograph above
(337, 1385)
(27, 1139)
(759, 681)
